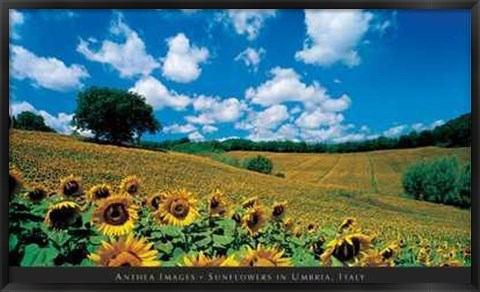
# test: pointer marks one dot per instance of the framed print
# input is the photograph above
(313, 145)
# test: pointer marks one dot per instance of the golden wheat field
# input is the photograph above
(376, 171)
(321, 189)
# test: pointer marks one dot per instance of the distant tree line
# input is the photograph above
(455, 133)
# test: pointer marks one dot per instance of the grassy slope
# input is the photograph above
(377, 171)
(46, 158)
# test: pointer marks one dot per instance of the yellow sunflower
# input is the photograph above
(349, 223)
(312, 227)
(15, 181)
(202, 260)
(217, 205)
(130, 185)
(71, 187)
(115, 215)
(254, 219)
(62, 215)
(177, 208)
(346, 247)
(126, 252)
(99, 192)
(390, 251)
(235, 216)
(37, 194)
(250, 203)
(288, 224)
(279, 210)
(264, 257)
(374, 259)
(153, 202)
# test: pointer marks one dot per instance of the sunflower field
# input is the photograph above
(184, 210)
(121, 226)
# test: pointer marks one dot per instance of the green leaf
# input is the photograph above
(96, 240)
(36, 256)
(59, 238)
(86, 263)
(227, 224)
(171, 231)
(12, 242)
(165, 247)
(336, 263)
(177, 253)
(203, 242)
(222, 240)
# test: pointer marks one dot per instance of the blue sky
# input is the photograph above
(329, 76)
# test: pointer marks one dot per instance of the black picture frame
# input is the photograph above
(94, 279)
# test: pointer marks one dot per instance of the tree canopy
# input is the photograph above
(31, 122)
(113, 115)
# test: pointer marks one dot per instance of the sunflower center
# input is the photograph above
(36, 195)
(71, 188)
(156, 202)
(102, 193)
(125, 259)
(61, 218)
(277, 211)
(116, 214)
(345, 252)
(180, 208)
(253, 220)
(214, 203)
(132, 188)
(12, 184)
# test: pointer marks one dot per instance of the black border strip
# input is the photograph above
(285, 4)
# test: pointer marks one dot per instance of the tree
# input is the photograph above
(113, 115)
(259, 164)
(31, 122)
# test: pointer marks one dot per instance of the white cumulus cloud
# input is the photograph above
(395, 131)
(46, 72)
(209, 129)
(334, 36)
(317, 119)
(196, 136)
(182, 63)
(176, 128)
(249, 22)
(286, 86)
(251, 57)
(158, 95)
(16, 20)
(216, 110)
(129, 58)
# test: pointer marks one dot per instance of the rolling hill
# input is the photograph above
(376, 171)
(322, 189)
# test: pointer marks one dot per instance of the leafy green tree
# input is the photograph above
(414, 180)
(114, 115)
(31, 122)
(465, 189)
(443, 180)
(259, 164)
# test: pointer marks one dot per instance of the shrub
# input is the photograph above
(465, 185)
(259, 164)
(441, 181)
(280, 174)
(414, 180)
